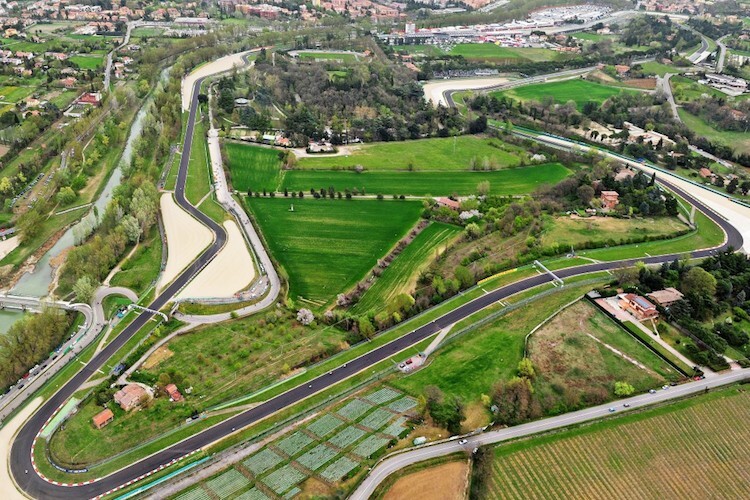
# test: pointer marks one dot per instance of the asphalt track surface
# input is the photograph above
(37, 487)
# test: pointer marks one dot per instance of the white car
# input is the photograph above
(463, 441)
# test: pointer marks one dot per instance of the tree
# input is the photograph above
(585, 194)
(445, 411)
(514, 401)
(699, 281)
(143, 206)
(29, 224)
(365, 327)
(66, 196)
(623, 389)
(526, 369)
(84, 289)
(627, 275)
(483, 188)
(305, 316)
(131, 227)
(473, 230)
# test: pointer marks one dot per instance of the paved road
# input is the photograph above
(37, 487)
(722, 54)
(110, 56)
(401, 460)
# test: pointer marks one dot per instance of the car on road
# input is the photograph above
(626, 405)
(665, 387)
(652, 391)
(463, 441)
(612, 409)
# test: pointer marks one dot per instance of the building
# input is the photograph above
(131, 396)
(666, 297)
(103, 418)
(447, 202)
(173, 393)
(625, 173)
(610, 199)
(706, 173)
(639, 306)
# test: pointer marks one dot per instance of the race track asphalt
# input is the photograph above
(37, 487)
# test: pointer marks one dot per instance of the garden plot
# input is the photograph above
(338, 469)
(354, 409)
(294, 443)
(252, 494)
(369, 446)
(228, 483)
(403, 404)
(283, 479)
(325, 425)
(382, 396)
(347, 437)
(317, 457)
(396, 428)
(376, 419)
(262, 461)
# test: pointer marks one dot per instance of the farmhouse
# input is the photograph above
(666, 297)
(610, 199)
(639, 306)
(130, 396)
(103, 418)
(447, 202)
(173, 393)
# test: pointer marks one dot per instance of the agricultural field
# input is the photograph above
(583, 340)
(253, 167)
(326, 246)
(513, 181)
(577, 90)
(739, 141)
(436, 154)
(15, 94)
(442, 482)
(323, 456)
(490, 52)
(576, 231)
(401, 276)
(637, 456)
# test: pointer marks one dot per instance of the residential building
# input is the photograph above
(447, 202)
(131, 396)
(173, 392)
(666, 297)
(610, 199)
(639, 306)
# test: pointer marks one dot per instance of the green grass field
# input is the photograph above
(577, 90)
(421, 49)
(522, 180)
(737, 140)
(326, 246)
(492, 52)
(401, 276)
(253, 167)
(687, 90)
(569, 231)
(450, 153)
(63, 99)
(15, 94)
(199, 177)
(656, 68)
(641, 455)
(88, 61)
(327, 56)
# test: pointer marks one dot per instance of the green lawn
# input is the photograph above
(401, 276)
(522, 180)
(327, 56)
(63, 99)
(450, 153)
(253, 167)
(687, 90)
(567, 231)
(577, 90)
(737, 140)
(143, 267)
(88, 61)
(492, 52)
(591, 37)
(199, 177)
(421, 49)
(326, 246)
(15, 94)
(656, 68)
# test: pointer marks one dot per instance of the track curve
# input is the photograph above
(38, 487)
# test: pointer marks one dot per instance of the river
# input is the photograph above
(36, 283)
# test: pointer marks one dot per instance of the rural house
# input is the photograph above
(639, 306)
(173, 393)
(610, 199)
(130, 396)
(666, 297)
(103, 418)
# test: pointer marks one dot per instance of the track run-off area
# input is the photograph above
(34, 485)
